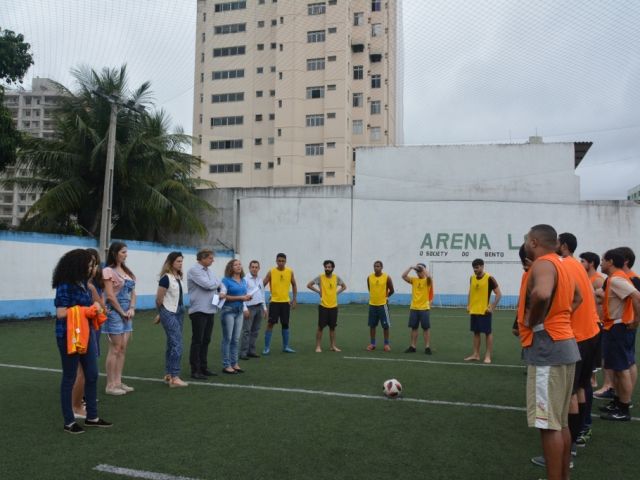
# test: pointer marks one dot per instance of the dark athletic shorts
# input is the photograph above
(615, 347)
(379, 314)
(480, 323)
(279, 311)
(588, 349)
(327, 317)
(419, 318)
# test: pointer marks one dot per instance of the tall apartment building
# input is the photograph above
(286, 90)
(32, 112)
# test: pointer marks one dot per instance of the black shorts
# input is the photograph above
(617, 356)
(480, 323)
(419, 318)
(279, 311)
(327, 317)
(584, 368)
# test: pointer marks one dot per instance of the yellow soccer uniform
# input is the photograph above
(280, 283)
(329, 290)
(420, 290)
(480, 293)
(378, 289)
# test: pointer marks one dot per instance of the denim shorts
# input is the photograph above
(115, 325)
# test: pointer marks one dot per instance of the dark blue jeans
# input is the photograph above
(70, 369)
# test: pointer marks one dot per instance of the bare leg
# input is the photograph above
(332, 340)
(426, 335)
(556, 446)
(489, 351)
(476, 348)
(319, 340)
(633, 372)
(607, 382)
(623, 385)
(413, 337)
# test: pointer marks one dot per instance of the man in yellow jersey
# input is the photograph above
(480, 307)
(280, 279)
(380, 289)
(421, 296)
(328, 286)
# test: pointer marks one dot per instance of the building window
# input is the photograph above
(316, 120)
(225, 144)
(332, 30)
(358, 72)
(279, 131)
(227, 97)
(331, 115)
(257, 141)
(273, 45)
(315, 92)
(274, 22)
(313, 178)
(376, 107)
(201, 97)
(314, 149)
(316, 8)
(272, 116)
(331, 174)
(333, 2)
(230, 28)
(331, 144)
(358, 99)
(270, 140)
(331, 58)
(272, 93)
(376, 29)
(280, 75)
(270, 165)
(281, 48)
(272, 69)
(316, 36)
(200, 118)
(376, 81)
(199, 139)
(229, 51)
(227, 121)
(202, 77)
(259, 93)
(358, 19)
(261, 46)
(226, 74)
(258, 117)
(257, 165)
(227, 6)
(204, 16)
(259, 70)
(315, 63)
(357, 127)
(331, 87)
(280, 103)
(375, 133)
(376, 5)
(204, 37)
(260, 23)
(226, 168)
(202, 57)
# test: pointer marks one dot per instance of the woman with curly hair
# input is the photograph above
(70, 279)
(234, 288)
(119, 286)
(170, 305)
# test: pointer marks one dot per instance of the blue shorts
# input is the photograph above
(115, 325)
(631, 344)
(481, 323)
(379, 314)
(617, 354)
(419, 318)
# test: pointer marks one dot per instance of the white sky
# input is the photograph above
(475, 71)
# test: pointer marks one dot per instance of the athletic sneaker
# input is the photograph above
(616, 416)
(574, 450)
(371, 347)
(606, 395)
(266, 351)
(97, 423)
(288, 349)
(387, 348)
(612, 406)
(583, 437)
(74, 429)
(539, 461)
(427, 351)
(410, 350)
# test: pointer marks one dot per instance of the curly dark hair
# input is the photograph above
(97, 279)
(73, 267)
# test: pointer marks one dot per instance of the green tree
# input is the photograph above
(15, 60)
(154, 184)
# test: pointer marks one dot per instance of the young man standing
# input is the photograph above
(256, 310)
(328, 286)
(421, 296)
(280, 279)
(480, 307)
(202, 284)
(380, 289)
(549, 347)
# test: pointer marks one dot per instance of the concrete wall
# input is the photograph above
(29, 260)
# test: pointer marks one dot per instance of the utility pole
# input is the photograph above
(105, 218)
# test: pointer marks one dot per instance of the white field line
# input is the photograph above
(436, 362)
(307, 391)
(128, 472)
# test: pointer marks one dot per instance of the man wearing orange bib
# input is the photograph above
(549, 347)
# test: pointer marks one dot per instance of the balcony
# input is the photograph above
(357, 47)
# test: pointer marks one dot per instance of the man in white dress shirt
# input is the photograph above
(257, 309)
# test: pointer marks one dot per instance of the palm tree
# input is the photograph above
(154, 184)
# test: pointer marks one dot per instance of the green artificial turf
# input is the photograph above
(313, 416)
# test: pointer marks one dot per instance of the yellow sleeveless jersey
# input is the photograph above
(378, 289)
(420, 293)
(479, 294)
(328, 287)
(280, 283)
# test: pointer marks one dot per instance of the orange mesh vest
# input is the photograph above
(627, 312)
(557, 323)
(584, 320)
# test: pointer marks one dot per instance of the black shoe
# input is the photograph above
(209, 373)
(612, 406)
(427, 351)
(97, 423)
(253, 355)
(198, 376)
(73, 429)
(410, 350)
(616, 416)
(244, 357)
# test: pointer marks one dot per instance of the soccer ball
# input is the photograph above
(391, 388)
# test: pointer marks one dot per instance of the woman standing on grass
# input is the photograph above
(119, 285)
(70, 279)
(234, 286)
(170, 306)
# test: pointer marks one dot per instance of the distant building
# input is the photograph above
(634, 193)
(32, 112)
(285, 91)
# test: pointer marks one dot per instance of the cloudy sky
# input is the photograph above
(479, 71)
